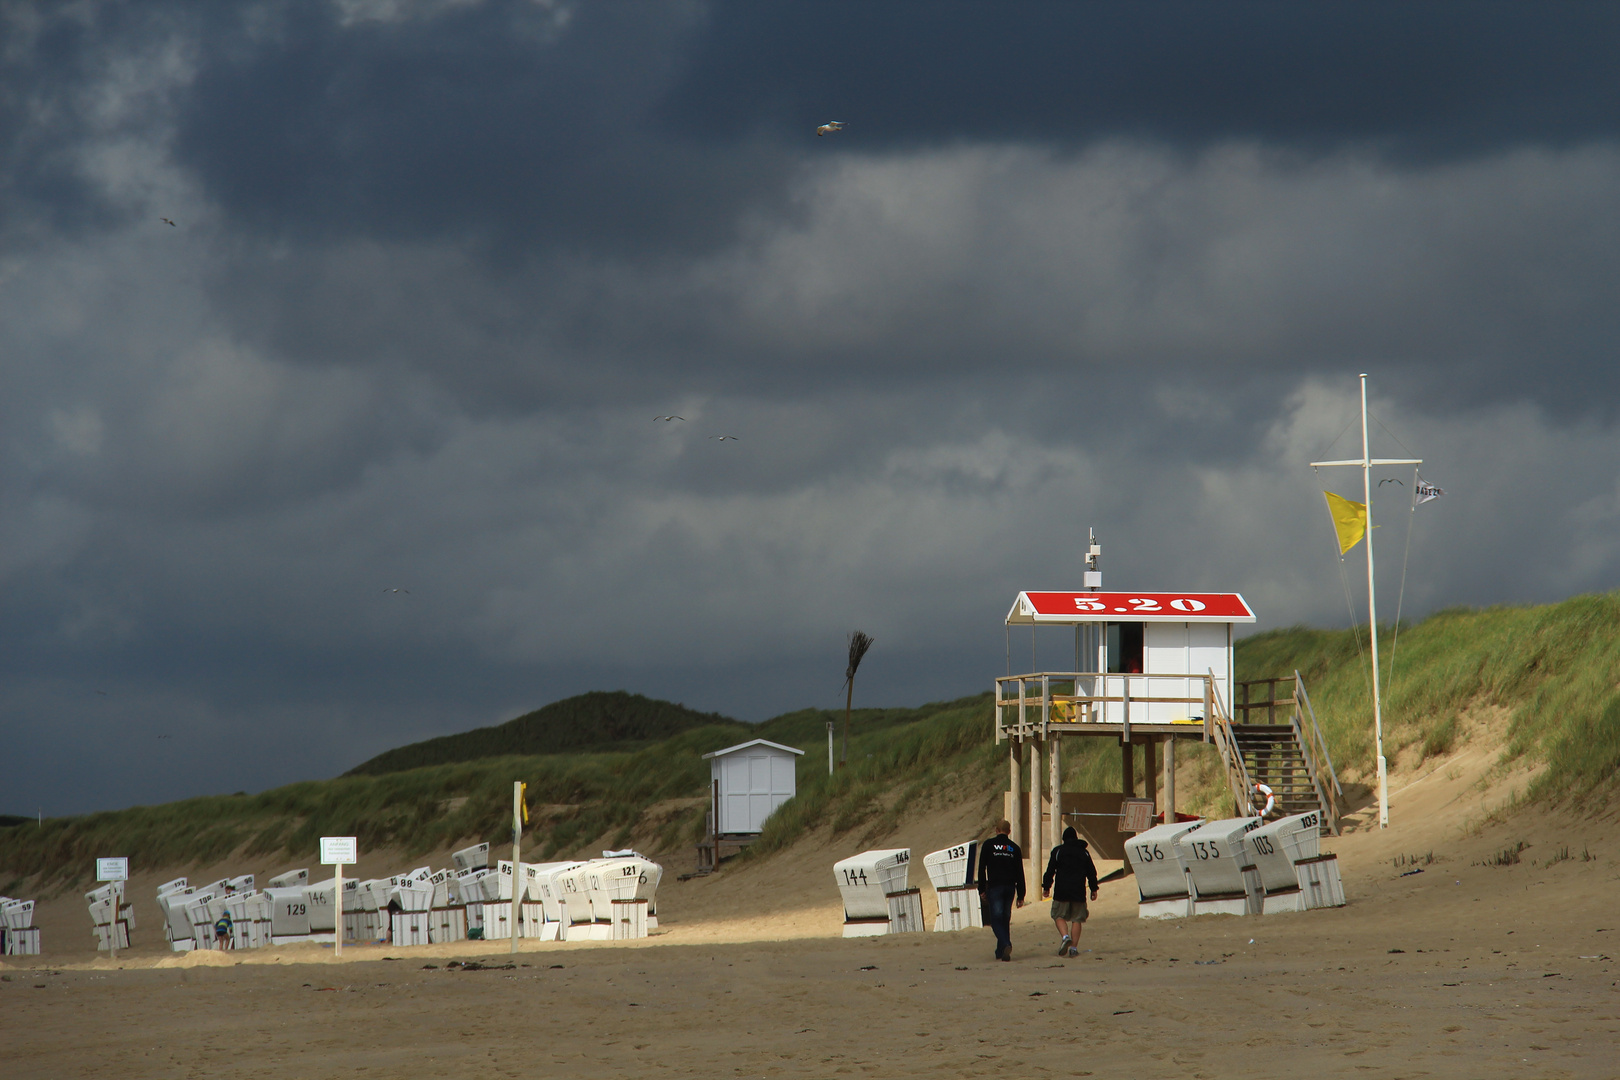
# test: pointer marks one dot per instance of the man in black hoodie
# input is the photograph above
(1068, 872)
(1001, 878)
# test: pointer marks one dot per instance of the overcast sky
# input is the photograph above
(436, 265)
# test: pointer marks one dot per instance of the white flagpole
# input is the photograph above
(1365, 463)
(1372, 617)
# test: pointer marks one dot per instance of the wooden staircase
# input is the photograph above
(1283, 749)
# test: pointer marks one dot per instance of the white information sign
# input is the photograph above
(112, 869)
(339, 850)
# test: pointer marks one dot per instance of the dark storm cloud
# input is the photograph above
(639, 128)
(502, 120)
(1421, 80)
(438, 264)
(48, 54)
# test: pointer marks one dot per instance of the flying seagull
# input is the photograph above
(1389, 480)
(667, 419)
(167, 222)
(103, 693)
(396, 590)
(829, 127)
(723, 438)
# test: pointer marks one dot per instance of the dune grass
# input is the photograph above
(896, 757)
(1555, 669)
(575, 798)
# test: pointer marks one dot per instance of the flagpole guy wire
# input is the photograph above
(1400, 597)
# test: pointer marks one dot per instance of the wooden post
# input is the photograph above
(1054, 785)
(1125, 709)
(843, 758)
(517, 862)
(1209, 707)
(1169, 779)
(1127, 770)
(1150, 766)
(1015, 816)
(1034, 851)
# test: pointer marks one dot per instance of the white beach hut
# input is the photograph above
(876, 899)
(473, 857)
(1218, 859)
(951, 872)
(1164, 890)
(748, 782)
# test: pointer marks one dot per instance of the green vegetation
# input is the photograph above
(653, 796)
(1551, 670)
(589, 722)
(573, 799)
(897, 758)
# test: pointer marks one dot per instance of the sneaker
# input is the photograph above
(1073, 951)
(1063, 946)
(1006, 954)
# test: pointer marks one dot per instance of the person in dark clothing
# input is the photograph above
(1001, 884)
(222, 931)
(1068, 872)
(394, 908)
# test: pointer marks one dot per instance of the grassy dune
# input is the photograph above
(652, 795)
(1555, 669)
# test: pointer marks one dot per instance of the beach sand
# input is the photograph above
(1464, 970)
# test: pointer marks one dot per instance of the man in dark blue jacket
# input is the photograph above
(1068, 872)
(1001, 881)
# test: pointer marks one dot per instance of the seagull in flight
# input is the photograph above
(103, 693)
(723, 438)
(1389, 480)
(167, 222)
(407, 591)
(829, 127)
(667, 419)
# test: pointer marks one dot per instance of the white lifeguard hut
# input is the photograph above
(747, 782)
(1150, 668)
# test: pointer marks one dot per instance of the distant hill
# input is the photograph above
(599, 720)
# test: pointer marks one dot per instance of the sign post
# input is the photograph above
(335, 852)
(116, 869)
(520, 811)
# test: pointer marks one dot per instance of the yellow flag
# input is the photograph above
(1349, 520)
(523, 801)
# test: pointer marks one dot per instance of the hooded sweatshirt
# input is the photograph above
(1070, 869)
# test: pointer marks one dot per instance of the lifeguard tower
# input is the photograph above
(1150, 669)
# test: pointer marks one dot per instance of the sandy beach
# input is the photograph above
(1466, 969)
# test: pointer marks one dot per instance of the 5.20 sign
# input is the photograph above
(1136, 604)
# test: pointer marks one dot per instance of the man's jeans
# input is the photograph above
(998, 909)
